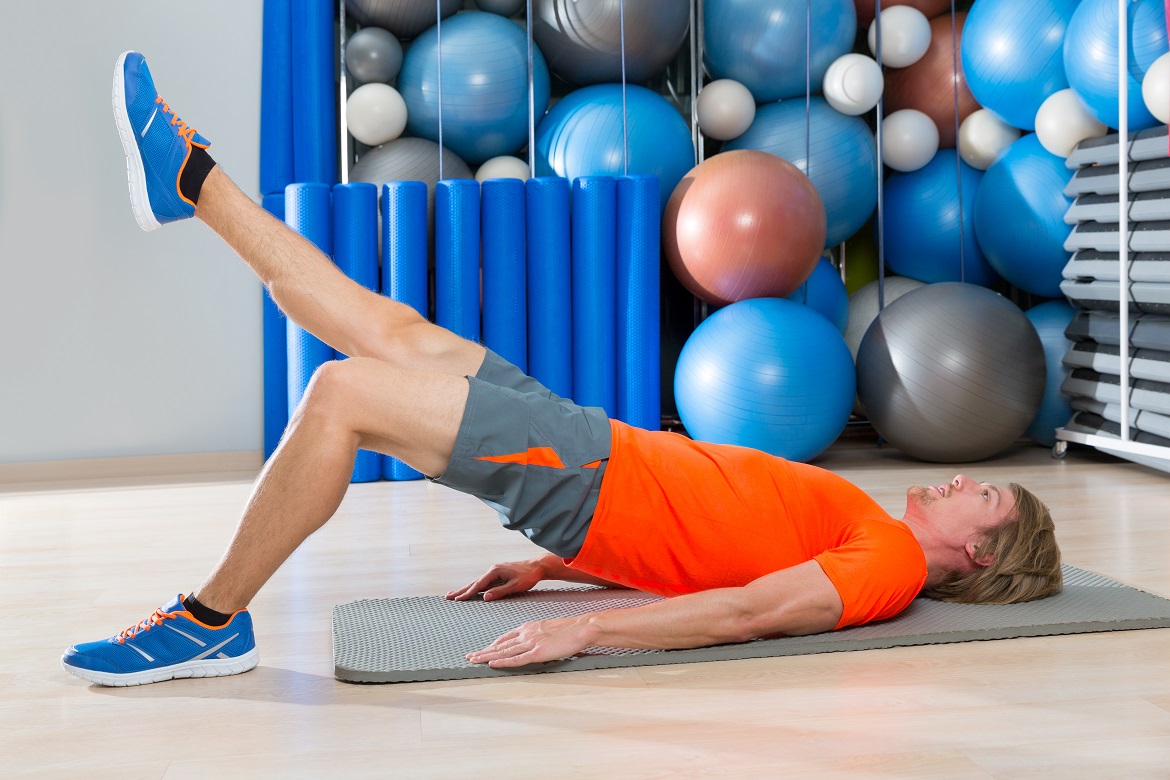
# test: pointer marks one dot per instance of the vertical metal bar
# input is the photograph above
(343, 95)
(625, 123)
(531, 95)
(1123, 203)
(696, 75)
(881, 232)
(958, 158)
(439, 57)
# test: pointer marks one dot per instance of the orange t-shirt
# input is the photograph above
(677, 516)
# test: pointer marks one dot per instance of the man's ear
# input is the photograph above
(981, 561)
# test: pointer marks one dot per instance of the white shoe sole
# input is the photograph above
(135, 173)
(205, 667)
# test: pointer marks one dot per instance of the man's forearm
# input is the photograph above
(697, 620)
(555, 569)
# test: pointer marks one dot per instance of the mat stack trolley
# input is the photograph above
(1119, 276)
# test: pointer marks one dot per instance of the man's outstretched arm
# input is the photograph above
(795, 601)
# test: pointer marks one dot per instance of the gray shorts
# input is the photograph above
(534, 457)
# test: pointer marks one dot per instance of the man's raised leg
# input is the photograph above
(312, 291)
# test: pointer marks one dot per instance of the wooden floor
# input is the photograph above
(80, 564)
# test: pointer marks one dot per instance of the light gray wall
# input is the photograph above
(115, 342)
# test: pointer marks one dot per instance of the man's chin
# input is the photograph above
(920, 494)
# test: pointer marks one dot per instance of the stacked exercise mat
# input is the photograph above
(1092, 282)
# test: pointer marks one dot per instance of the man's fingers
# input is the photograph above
(523, 659)
(479, 586)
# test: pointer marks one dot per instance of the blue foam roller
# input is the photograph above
(639, 386)
(355, 251)
(275, 354)
(313, 95)
(505, 298)
(307, 210)
(457, 257)
(404, 267)
(276, 100)
(594, 237)
(550, 338)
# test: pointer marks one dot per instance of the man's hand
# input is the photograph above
(538, 641)
(501, 580)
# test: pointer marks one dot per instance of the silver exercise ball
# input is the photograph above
(863, 307)
(863, 310)
(581, 41)
(404, 18)
(409, 159)
(951, 372)
(501, 7)
(373, 55)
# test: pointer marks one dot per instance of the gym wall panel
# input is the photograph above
(115, 342)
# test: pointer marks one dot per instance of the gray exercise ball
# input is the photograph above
(501, 7)
(951, 372)
(409, 159)
(581, 41)
(373, 55)
(404, 18)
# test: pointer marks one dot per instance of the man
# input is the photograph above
(748, 545)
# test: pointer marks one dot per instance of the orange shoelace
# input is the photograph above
(185, 132)
(144, 625)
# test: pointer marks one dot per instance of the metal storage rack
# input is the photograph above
(1126, 205)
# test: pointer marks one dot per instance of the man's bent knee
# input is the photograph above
(331, 388)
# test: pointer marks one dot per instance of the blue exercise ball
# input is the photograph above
(1051, 319)
(837, 152)
(824, 292)
(1090, 57)
(766, 373)
(485, 85)
(1019, 217)
(763, 44)
(929, 223)
(1012, 55)
(582, 135)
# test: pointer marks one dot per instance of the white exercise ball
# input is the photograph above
(853, 84)
(909, 139)
(726, 109)
(1062, 122)
(905, 36)
(1156, 89)
(503, 167)
(983, 136)
(375, 114)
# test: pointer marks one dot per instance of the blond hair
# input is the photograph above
(1025, 560)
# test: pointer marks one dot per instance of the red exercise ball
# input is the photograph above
(928, 8)
(929, 84)
(743, 224)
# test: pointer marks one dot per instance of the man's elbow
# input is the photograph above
(809, 619)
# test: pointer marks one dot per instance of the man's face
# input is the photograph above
(964, 503)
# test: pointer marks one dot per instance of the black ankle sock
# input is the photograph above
(205, 614)
(199, 164)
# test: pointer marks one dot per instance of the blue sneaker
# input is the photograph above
(169, 644)
(157, 145)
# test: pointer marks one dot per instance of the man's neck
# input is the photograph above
(941, 555)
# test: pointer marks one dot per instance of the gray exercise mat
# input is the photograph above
(426, 638)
